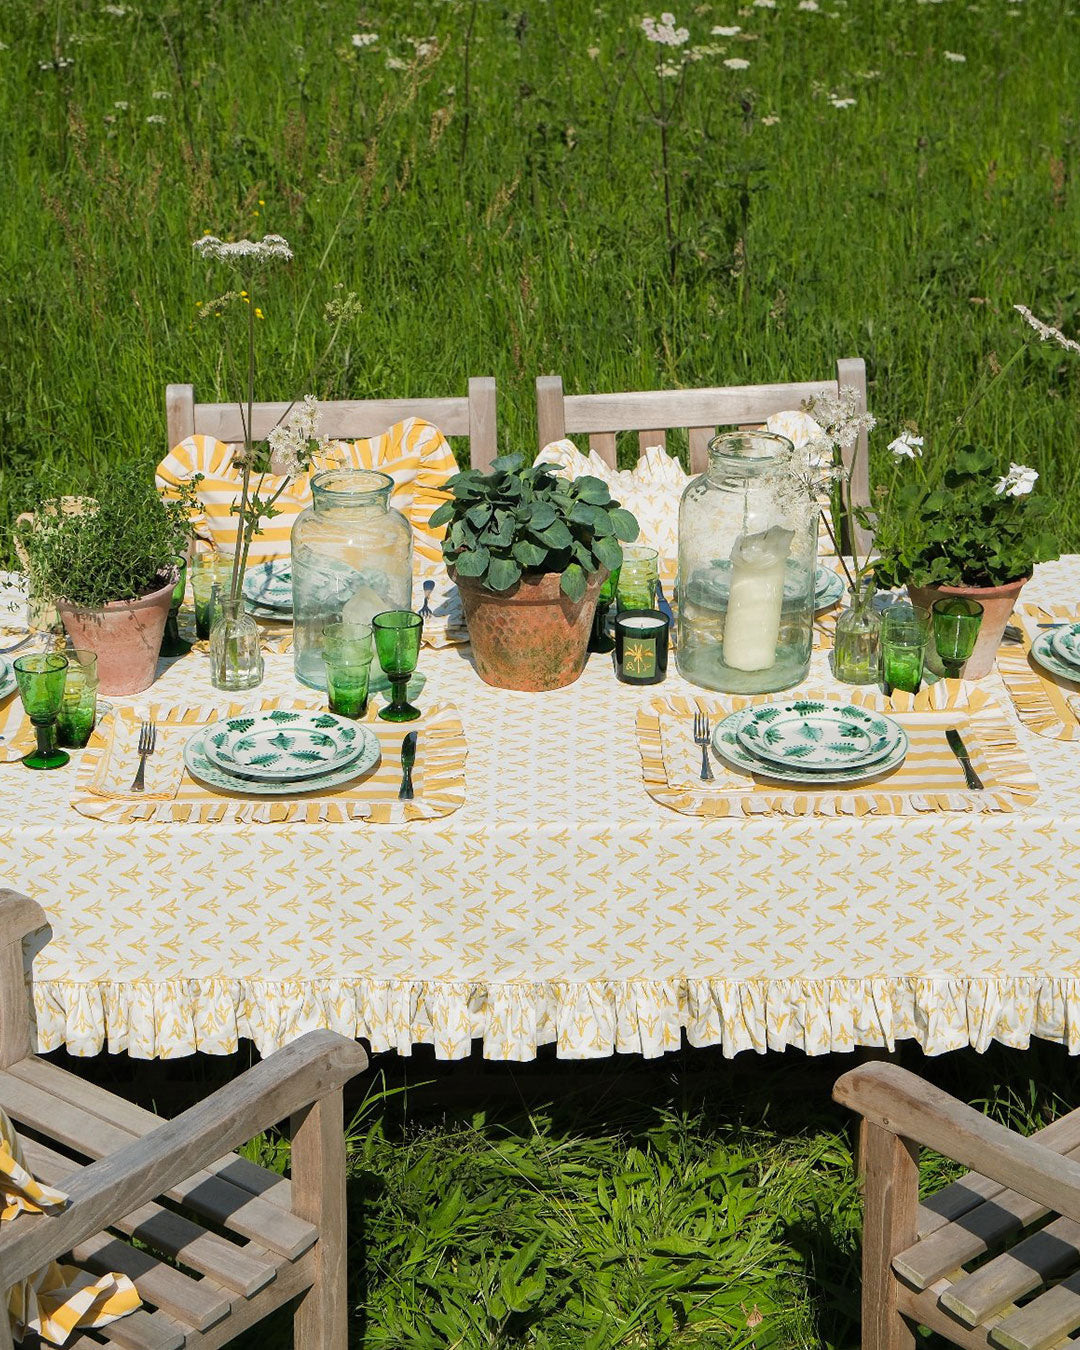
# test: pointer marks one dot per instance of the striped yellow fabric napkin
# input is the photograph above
(58, 1298)
(17, 736)
(118, 762)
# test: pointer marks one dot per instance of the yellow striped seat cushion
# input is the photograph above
(414, 453)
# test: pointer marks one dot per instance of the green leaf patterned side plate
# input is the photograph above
(282, 746)
(1043, 654)
(728, 747)
(200, 766)
(269, 584)
(7, 677)
(1065, 644)
(816, 735)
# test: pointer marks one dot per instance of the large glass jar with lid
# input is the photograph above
(351, 559)
(747, 561)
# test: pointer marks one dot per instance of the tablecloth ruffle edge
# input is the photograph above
(172, 1018)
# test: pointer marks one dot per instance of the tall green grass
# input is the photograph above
(498, 204)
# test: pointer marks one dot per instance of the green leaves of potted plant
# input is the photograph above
(529, 551)
(109, 567)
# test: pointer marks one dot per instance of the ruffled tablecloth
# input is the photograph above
(560, 903)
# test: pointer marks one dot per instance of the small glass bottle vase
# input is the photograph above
(857, 641)
(235, 653)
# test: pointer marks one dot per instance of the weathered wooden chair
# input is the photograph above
(652, 413)
(947, 1263)
(471, 417)
(247, 1240)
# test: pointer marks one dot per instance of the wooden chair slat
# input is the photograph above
(1051, 1252)
(604, 444)
(142, 1330)
(293, 1278)
(647, 439)
(924, 1309)
(193, 1303)
(729, 406)
(218, 1200)
(1044, 1321)
(699, 438)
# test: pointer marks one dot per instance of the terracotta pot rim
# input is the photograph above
(113, 606)
(950, 589)
(531, 580)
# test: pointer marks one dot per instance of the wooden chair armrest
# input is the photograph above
(306, 1070)
(19, 915)
(911, 1108)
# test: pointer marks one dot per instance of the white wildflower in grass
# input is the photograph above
(364, 39)
(810, 6)
(842, 102)
(868, 74)
(396, 63)
(593, 53)
(270, 246)
(122, 104)
(3, 47)
(764, 4)
(955, 56)
(1018, 482)
(770, 121)
(728, 31)
(705, 49)
(665, 32)
(736, 63)
(117, 11)
(907, 446)
(668, 70)
(60, 63)
(1044, 330)
(159, 94)
(156, 119)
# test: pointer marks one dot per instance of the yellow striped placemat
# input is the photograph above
(17, 736)
(930, 778)
(1042, 701)
(438, 778)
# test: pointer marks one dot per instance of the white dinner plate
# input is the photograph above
(813, 734)
(283, 746)
(269, 584)
(206, 771)
(725, 741)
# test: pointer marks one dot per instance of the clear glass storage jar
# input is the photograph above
(351, 559)
(748, 530)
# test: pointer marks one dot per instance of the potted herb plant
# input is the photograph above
(110, 567)
(529, 551)
(962, 527)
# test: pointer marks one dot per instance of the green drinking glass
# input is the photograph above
(208, 571)
(78, 711)
(956, 630)
(41, 677)
(172, 644)
(905, 631)
(347, 656)
(397, 641)
(599, 639)
(636, 584)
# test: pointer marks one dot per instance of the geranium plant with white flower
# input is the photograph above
(294, 442)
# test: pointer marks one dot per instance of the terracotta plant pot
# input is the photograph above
(126, 634)
(530, 637)
(997, 603)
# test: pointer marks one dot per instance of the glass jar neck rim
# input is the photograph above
(747, 453)
(350, 488)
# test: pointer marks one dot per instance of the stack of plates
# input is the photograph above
(7, 677)
(710, 585)
(268, 590)
(1058, 651)
(811, 742)
(278, 753)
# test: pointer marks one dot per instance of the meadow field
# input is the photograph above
(527, 188)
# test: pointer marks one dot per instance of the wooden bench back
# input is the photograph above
(471, 417)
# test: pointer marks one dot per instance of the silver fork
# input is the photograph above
(147, 741)
(17, 646)
(425, 611)
(701, 737)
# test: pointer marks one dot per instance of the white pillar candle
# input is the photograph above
(755, 598)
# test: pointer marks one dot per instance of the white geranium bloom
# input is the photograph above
(736, 63)
(907, 446)
(1018, 482)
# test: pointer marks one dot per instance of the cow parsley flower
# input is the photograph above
(1045, 331)
(293, 441)
(1018, 482)
(364, 39)
(159, 94)
(268, 247)
(907, 446)
(811, 6)
(736, 63)
(156, 119)
(664, 32)
(728, 31)
(955, 56)
(122, 104)
(117, 11)
(764, 4)
(842, 102)
(396, 63)
(770, 121)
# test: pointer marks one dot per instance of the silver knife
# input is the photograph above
(408, 759)
(959, 749)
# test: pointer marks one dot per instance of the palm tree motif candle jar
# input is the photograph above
(747, 559)
(351, 560)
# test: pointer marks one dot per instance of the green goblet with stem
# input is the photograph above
(172, 644)
(397, 641)
(956, 630)
(41, 677)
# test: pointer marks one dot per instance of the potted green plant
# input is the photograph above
(962, 527)
(109, 566)
(529, 551)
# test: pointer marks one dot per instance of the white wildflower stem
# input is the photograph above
(839, 552)
(981, 392)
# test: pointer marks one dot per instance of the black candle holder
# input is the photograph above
(641, 646)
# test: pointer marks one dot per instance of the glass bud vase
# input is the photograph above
(747, 563)
(857, 641)
(351, 559)
(235, 653)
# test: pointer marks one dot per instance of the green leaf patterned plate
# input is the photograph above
(828, 587)
(200, 766)
(728, 747)
(7, 677)
(816, 735)
(282, 746)
(1065, 644)
(1044, 654)
(269, 584)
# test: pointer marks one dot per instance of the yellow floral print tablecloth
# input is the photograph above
(559, 903)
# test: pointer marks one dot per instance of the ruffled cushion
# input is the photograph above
(414, 453)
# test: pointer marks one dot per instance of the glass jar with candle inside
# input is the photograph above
(747, 560)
